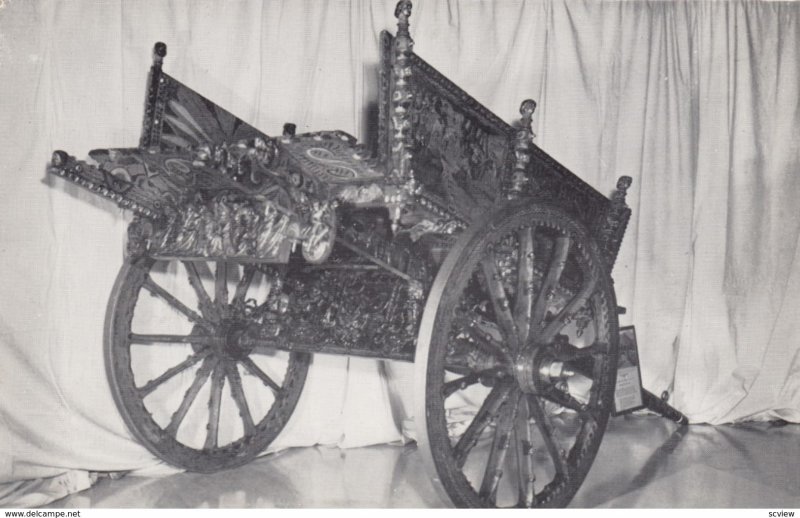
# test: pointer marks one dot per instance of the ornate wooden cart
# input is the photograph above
(457, 244)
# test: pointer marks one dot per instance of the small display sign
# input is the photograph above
(628, 394)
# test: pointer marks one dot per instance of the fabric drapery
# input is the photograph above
(697, 101)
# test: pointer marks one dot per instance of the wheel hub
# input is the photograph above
(227, 341)
(534, 366)
(231, 346)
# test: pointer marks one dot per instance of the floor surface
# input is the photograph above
(644, 461)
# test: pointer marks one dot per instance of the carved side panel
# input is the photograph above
(153, 184)
(611, 239)
(611, 228)
(178, 117)
(219, 201)
(461, 152)
(554, 183)
(374, 319)
(228, 227)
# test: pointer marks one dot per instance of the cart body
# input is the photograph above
(362, 249)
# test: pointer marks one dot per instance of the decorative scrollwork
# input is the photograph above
(337, 168)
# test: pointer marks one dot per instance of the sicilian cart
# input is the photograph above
(456, 243)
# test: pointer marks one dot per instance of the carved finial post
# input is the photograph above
(401, 95)
(403, 12)
(151, 119)
(618, 198)
(526, 109)
(612, 226)
(522, 149)
(401, 174)
(159, 53)
(289, 130)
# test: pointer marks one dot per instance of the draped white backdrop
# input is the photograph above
(697, 101)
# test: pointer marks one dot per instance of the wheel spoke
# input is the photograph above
(566, 314)
(221, 285)
(151, 286)
(203, 300)
(497, 455)
(451, 387)
(566, 400)
(237, 392)
(214, 405)
(566, 352)
(524, 448)
(151, 385)
(553, 276)
(455, 368)
(524, 302)
(255, 370)
(486, 413)
(548, 434)
(497, 294)
(191, 394)
(239, 295)
(470, 324)
(144, 339)
(260, 345)
(263, 347)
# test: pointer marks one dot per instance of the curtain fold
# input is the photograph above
(697, 101)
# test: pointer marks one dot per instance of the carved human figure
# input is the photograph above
(246, 221)
(222, 211)
(267, 231)
(187, 237)
(213, 235)
(170, 230)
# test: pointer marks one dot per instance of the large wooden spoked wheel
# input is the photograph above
(516, 361)
(189, 388)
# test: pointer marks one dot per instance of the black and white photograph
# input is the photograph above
(377, 254)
